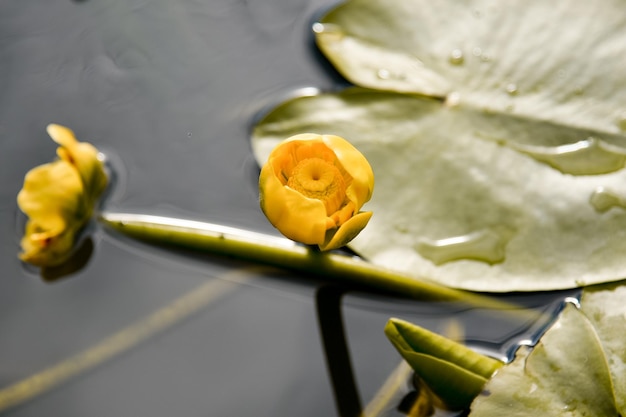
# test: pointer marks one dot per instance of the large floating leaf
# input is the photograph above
(561, 62)
(577, 369)
(444, 172)
(514, 179)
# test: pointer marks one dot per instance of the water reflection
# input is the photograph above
(79, 258)
(124, 340)
(417, 402)
(77, 261)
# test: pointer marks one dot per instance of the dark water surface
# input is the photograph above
(169, 90)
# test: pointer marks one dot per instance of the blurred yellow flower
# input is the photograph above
(59, 198)
(312, 188)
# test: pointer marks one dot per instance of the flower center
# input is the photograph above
(319, 179)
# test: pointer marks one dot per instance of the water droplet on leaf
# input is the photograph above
(383, 74)
(328, 28)
(484, 245)
(603, 200)
(511, 89)
(318, 27)
(586, 157)
(453, 99)
(456, 57)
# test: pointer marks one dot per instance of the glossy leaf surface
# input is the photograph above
(577, 369)
(456, 203)
(512, 177)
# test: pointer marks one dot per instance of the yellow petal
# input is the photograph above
(62, 135)
(357, 166)
(290, 152)
(344, 214)
(83, 156)
(52, 188)
(53, 199)
(303, 137)
(47, 243)
(295, 216)
(346, 231)
(313, 149)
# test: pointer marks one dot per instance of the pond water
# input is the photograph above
(169, 91)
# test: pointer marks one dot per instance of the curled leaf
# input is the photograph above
(454, 372)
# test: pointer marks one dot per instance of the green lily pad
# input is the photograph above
(605, 308)
(577, 369)
(512, 177)
(555, 62)
(465, 197)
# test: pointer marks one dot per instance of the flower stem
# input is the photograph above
(284, 253)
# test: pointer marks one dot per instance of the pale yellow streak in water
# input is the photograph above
(120, 342)
(390, 393)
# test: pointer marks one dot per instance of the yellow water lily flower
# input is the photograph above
(312, 188)
(59, 198)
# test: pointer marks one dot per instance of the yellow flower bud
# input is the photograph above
(59, 198)
(312, 188)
